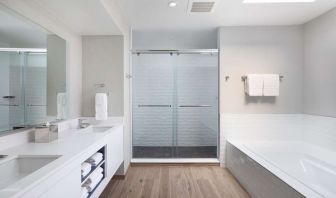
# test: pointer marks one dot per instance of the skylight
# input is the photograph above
(278, 1)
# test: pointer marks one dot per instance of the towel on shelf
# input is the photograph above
(91, 184)
(271, 85)
(95, 159)
(84, 192)
(254, 84)
(61, 106)
(85, 168)
(95, 174)
(101, 106)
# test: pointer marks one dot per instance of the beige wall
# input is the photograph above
(103, 63)
(320, 65)
(56, 71)
(246, 50)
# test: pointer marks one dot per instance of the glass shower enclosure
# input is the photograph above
(23, 88)
(175, 104)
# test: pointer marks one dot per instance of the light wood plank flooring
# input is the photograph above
(175, 181)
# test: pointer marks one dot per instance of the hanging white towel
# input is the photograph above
(271, 85)
(254, 85)
(61, 106)
(101, 106)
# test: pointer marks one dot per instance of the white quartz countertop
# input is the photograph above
(73, 149)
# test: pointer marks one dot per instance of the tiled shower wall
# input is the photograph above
(196, 85)
(34, 75)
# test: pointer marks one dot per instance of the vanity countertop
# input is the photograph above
(73, 149)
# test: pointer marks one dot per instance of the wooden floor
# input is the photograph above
(175, 181)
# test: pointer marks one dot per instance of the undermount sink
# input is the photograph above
(14, 168)
(100, 129)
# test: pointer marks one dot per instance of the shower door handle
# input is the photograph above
(195, 106)
(154, 105)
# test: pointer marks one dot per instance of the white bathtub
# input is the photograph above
(309, 169)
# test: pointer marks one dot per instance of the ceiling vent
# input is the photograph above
(196, 6)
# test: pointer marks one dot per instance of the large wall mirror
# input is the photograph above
(32, 73)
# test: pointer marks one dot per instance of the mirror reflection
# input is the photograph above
(32, 73)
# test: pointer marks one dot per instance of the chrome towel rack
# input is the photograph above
(245, 77)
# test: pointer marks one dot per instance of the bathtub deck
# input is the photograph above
(175, 181)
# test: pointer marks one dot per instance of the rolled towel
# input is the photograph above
(91, 184)
(86, 168)
(84, 192)
(95, 159)
(95, 174)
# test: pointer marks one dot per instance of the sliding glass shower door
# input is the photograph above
(197, 106)
(175, 105)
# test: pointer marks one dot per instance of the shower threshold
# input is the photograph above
(176, 160)
(140, 152)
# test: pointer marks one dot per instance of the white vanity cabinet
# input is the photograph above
(66, 187)
(66, 182)
(114, 157)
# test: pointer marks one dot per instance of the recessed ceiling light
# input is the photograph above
(278, 1)
(172, 4)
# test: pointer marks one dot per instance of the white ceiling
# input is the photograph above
(155, 14)
(16, 31)
(84, 17)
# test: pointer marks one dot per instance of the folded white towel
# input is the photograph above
(85, 168)
(95, 159)
(101, 106)
(84, 192)
(271, 85)
(91, 184)
(254, 85)
(95, 174)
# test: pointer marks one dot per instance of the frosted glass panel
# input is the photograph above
(197, 98)
(175, 106)
(152, 104)
(35, 78)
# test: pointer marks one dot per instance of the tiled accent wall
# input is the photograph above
(317, 130)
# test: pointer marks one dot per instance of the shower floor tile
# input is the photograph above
(172, 152)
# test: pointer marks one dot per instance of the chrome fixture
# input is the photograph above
(245, 77)
(83, 125)
(177, 52)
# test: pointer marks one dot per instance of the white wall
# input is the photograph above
(191, 39)
(245, 50)
(103, 63)
(320, 65)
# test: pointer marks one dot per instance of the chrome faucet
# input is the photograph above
(82, 124)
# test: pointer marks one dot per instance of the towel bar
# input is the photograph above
(245, 77)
